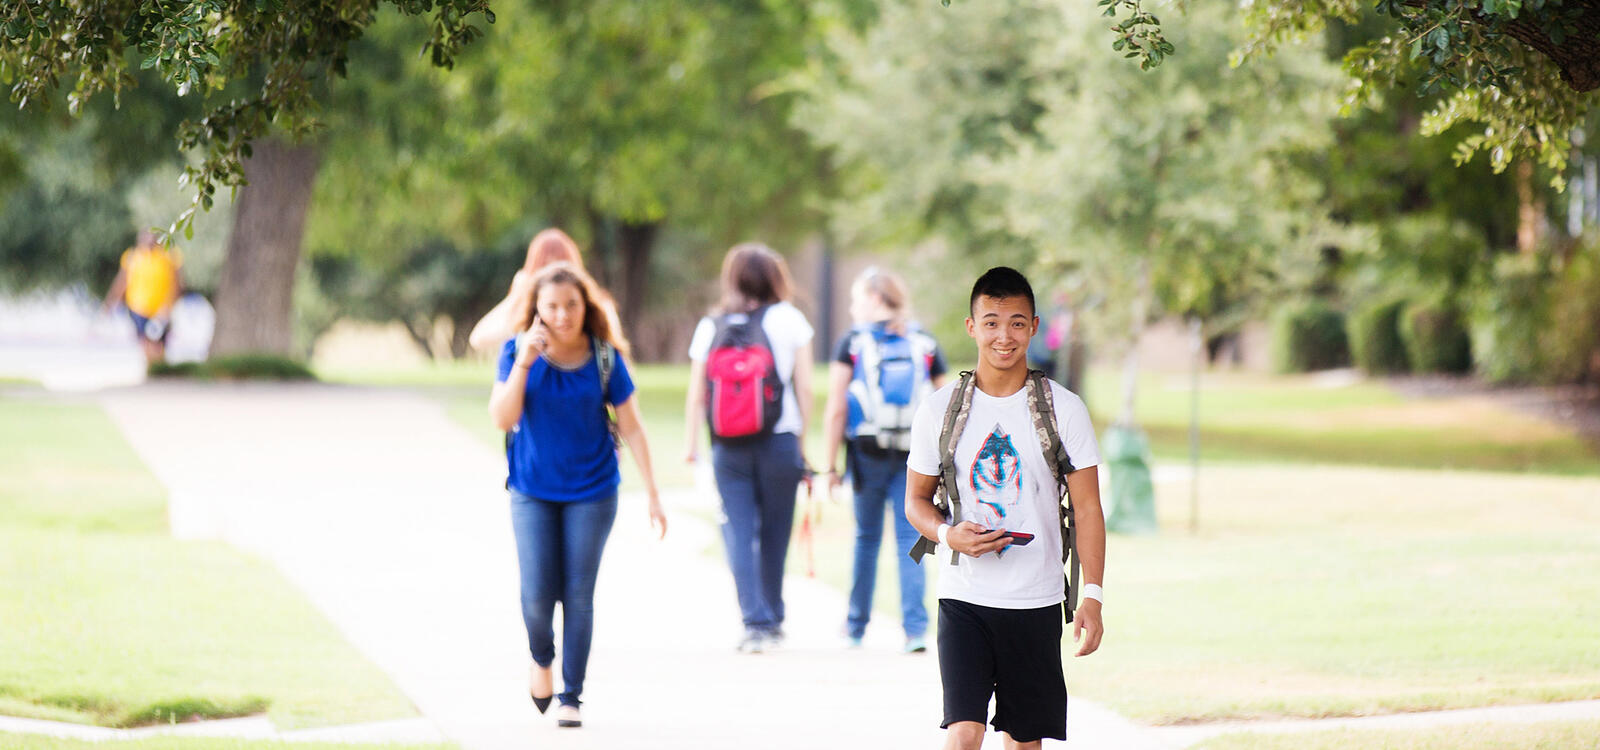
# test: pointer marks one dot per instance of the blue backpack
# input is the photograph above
(891, 378)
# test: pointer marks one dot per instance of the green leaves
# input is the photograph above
(271, 56)
(1487, 68)
(1138, 36)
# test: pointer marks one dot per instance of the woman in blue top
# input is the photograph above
(563, 468)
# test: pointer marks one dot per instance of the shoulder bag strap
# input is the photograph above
(1041, 402)
(947, 496)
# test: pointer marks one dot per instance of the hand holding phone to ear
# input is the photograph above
(532, 343)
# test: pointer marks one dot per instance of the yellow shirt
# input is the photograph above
(152, 279)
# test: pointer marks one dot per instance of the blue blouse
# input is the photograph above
(561, 448)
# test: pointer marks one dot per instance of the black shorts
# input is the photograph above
(1011, 654)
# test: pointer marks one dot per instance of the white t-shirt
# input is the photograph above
(1005, 484)
(787, 330)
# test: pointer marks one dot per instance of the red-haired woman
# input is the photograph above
(512, 314)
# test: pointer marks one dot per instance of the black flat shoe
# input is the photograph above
(543, 704)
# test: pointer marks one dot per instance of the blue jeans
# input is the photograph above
(558, 552)
(757, 481)
(879, 480)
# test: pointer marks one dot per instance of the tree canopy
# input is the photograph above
(617, 122)
(1523, 70)
(1031, 139)
(255, 64)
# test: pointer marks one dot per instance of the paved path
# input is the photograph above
(392, 519)
(1185, 736)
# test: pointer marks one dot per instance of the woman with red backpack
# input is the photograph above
(750, 384)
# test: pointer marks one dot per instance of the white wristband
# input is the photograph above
(944, 535)
(1093, 591)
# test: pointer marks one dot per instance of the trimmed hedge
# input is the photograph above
(1375, 342)
(1435, 338)
(1309, 336)
(1536, 324)
(254, 366)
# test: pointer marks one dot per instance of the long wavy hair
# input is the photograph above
(753, 275)
(596, 323)
(552, 246)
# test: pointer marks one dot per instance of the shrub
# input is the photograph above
(1375, 342)
(1309, 336)
(1538, 324)
(1435, 338)
(253, 366)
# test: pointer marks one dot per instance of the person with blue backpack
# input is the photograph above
(882, 369)
(750, 384)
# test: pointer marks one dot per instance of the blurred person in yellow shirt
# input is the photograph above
(147, 284)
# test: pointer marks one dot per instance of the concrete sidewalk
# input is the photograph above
(393, 521)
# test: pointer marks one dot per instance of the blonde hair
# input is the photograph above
(890, 289)
(596, 321)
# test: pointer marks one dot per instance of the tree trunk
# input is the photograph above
(1530, 209)
(255, 296)
(1130, 362)
(1577, 54)
(460, 345)
(635, 244)
(599, 254)
(421, 334)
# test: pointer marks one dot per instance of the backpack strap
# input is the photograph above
(605, 356)
(871, 353)
(1041, 404)
(947, 496)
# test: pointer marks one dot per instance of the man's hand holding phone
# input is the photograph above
(973, 540)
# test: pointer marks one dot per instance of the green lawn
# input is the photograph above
(1335, 591)
(104, 619)
(1243, 417)
(35, 742)
(1555, 735)
(1249, 417)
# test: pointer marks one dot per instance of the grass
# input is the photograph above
(1243, 418)
(1247, 417)
(104, 619)
(1555, 735)
(1329, 591)
(459, 373)
(36, 742)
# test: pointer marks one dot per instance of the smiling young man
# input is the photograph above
(1001, 601)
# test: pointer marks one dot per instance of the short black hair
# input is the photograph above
(1001, 281)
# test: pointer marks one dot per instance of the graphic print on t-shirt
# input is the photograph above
(997, 481)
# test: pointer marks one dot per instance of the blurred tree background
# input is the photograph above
(1409, 187)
